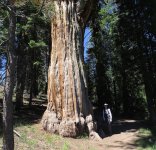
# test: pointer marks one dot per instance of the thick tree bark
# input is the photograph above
(68, 102)
(8, 138)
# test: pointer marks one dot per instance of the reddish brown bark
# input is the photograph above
(68, 102)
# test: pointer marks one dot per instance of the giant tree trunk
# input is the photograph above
(68, 102)
(8, 138)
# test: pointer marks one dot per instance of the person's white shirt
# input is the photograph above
(108, 111)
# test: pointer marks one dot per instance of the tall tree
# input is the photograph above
(135, 41)
(20, 69)
(102, 24)
(67, 87)
(8, 137)
(32, 40)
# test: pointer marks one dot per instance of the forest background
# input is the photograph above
(120, 55)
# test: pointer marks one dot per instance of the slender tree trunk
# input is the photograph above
(101, 79)
(20, 72)
(35, 54)
(68, 103)
(31, 82)
(115, 98)
(33, 69)
(46, 57)
(125, 92)
(8, 138)
(33, 78)
(125, 95)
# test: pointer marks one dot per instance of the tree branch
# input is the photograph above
(17, 133)
(84, 8)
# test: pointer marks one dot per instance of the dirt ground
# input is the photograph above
(124, 138)
(33, 137)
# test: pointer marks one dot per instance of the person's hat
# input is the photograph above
(105, 104)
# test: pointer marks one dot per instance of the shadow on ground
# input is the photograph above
(125, 125)
(27, 115)
(120, 145)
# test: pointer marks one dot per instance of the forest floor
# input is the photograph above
(33, 137)
(127, 134)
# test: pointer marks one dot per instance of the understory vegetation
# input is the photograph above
(147, 138)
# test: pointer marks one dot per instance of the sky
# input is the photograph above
(2, 70)
(87, 36)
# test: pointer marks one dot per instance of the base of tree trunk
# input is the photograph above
(50, 122)
(68, 127)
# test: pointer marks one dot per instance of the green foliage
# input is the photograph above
(20, 3)
(109, 18)
(115, 58)
(34, 44)
(34, 33)
(3, 30)
(101, 74)
(65, 146)
(83, 136)
(147, 139)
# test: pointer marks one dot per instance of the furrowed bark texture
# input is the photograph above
(68, 103)
(8, 137)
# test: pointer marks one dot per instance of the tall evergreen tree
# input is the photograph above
(134, 25)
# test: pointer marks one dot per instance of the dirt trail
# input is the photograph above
(125, 133)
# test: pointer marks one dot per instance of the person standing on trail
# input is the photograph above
(107, 117)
